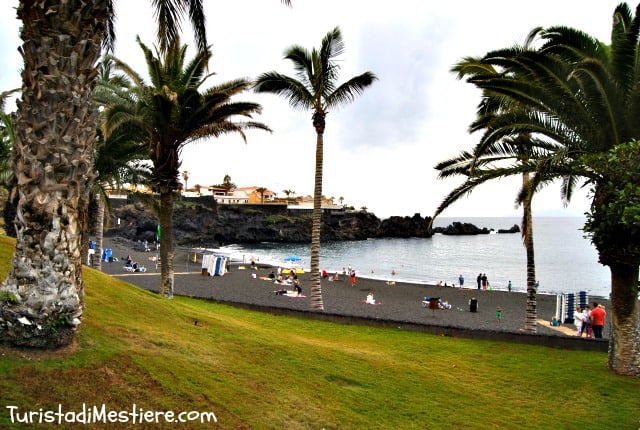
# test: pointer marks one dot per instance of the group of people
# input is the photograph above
(347, 274)
(483, 281)
(133, 266)
(590, 320)
(291, 280)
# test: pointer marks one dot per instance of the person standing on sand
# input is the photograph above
(461, 280)
(598, 316)
(586, 321)
(484, 280)
(352, 278)
(479, 280)
(578, 320)
(509, 286)
(498, 314)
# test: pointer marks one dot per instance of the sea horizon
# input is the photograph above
(566, 262)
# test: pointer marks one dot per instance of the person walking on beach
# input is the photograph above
(598, 316)
(479, 280)
(461, 280)
(498, 314)
(509, 286)
(352, 278)
(484, 280)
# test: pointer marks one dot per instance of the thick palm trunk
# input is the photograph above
(531, 313)
(624, 344)
(166, 244)
(99, 223)
(316, 226)
(41, 301)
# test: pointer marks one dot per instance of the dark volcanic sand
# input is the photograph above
(401, 302)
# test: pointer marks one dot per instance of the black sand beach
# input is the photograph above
(401, 302)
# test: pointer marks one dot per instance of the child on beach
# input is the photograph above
(499, 314)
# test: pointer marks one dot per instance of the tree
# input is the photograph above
(485, 164)
(7, 139)
(485, 160)
(316, 89)
(185, 176)
(227, 184)
(261, 191)
(581, 95)
(171, 112)
(289, 193)
(118, 160)
(55, 138)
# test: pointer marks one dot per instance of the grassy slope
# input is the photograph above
(255, 370)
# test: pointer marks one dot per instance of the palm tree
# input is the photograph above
(519, 149)
(185, 176)
(508, 157)
(582, 96)
(118, 160)
(261, 191)
(55, 138)
(7, 140)
(316, 89)
(171, 112)
(227, 184)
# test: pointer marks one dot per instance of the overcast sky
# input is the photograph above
(380, 151)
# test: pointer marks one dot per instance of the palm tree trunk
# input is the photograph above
(624, 343)
(531, 313)
(55, 141)
(99, 223)
(166, 244)
(316, 226)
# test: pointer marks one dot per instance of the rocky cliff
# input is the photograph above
(214, 225)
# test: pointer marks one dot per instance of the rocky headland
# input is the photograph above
(203, 223)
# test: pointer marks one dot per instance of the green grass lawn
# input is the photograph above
(259, 371)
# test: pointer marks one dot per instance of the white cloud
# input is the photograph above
(380, 150)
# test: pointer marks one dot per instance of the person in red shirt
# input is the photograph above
(598, 315)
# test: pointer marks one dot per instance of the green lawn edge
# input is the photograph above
(254, 370)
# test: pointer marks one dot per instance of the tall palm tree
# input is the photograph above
(515, 149)
(185, 176)
(170, 112)
(62, 42)
(118, 160)
(509, 157)
(7, 141)
(55, 140)
(582, 95)
(316, 89)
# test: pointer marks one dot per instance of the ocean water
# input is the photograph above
(566, 262)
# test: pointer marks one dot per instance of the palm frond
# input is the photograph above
(291, 89)
(349, 90)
